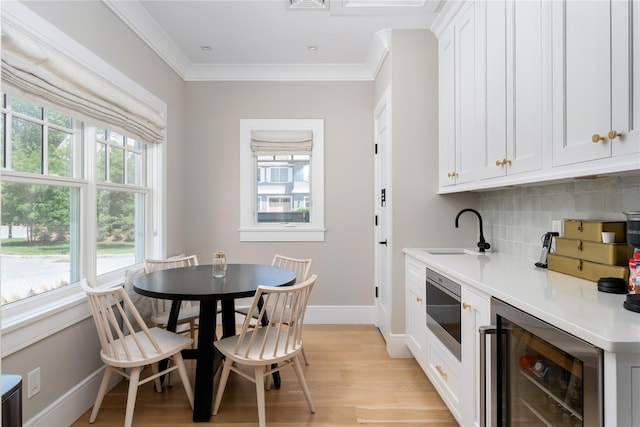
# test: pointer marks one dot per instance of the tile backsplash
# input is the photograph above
(515, 219)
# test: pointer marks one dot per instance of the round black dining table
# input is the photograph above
(198, 284)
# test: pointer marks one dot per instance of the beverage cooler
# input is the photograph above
(540, 375)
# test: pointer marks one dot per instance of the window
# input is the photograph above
(287, 185)
(75, 185)
(46, 186)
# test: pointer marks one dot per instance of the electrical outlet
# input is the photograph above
(33, 382)
(556, 225)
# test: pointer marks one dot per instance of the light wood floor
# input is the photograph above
(352, 381)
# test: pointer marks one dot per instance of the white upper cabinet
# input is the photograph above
(526, 87)
(595, 78)
(513, 110)
(457, 99)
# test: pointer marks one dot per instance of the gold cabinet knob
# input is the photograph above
(613, 134)
(466, 306)
(441, 371)
(503, 162)
(418, 299)
(452, 174)
(499, 163)
(597, 138)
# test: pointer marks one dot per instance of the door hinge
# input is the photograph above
(376, 220)
(375, 148)
(383, 197)
(376, 288)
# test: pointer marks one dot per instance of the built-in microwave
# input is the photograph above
(443, 311)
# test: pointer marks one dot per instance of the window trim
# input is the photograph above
(251, 232)
(28, 321)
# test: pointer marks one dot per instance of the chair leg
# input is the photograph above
(259, 376)
(182, 370)
(303, 384)
(224, 376)
(157, 383)
(134, 378)
(101, 392)
(304, 356)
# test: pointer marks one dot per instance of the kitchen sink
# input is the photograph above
(451, 251)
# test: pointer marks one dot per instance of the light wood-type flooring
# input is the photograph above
(352, 381)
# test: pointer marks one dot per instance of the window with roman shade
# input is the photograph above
(81, 189)
(282, 191)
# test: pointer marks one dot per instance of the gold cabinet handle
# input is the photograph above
(442, 373)
(452, 174)
(499, 163)
(466, 306)
(613, 134)
(597, 138)
(418, 299)
(503, 162)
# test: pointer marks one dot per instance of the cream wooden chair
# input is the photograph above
(269, 348)
(160, 308)
(131, 352)
(299, 266)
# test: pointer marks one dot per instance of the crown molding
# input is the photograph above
(144, 26)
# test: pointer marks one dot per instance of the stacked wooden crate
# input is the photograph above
(582, 253)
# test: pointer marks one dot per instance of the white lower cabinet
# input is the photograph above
(416, 316)
(457, 381)
(622, 389)
(444, 370)
(476, 312)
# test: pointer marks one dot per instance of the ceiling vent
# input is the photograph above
(308, 4)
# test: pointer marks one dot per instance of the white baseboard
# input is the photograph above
(397, 346)
(70, 406)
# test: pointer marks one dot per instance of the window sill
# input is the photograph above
(281, 234)
(36, 318)
(38, 321)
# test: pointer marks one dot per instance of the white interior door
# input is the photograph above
(382, 172)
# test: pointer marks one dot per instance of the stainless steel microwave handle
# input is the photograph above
(484, 331)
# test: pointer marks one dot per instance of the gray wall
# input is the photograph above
(343, 261)
(420, 217)
(70, 356)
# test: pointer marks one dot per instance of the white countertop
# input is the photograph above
(569, 303)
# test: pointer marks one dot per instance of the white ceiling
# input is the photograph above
(269, 40)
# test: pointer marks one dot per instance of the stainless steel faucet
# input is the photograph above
(482, 244)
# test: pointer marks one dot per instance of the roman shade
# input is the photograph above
(269, 143)
(36, 69)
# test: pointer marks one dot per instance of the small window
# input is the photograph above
(287, 157)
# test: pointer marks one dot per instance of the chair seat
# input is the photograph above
(256, 354)
(169, 344)
(186, 314)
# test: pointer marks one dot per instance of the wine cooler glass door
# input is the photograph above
(547, 377)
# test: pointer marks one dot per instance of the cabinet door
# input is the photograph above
(492, 70)
(514, 105)
(416, 324)
(581, 80)
(416, 314)
(527, 86)
(625, 77)
(476, 312)
(466, 136)
(447, 131)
